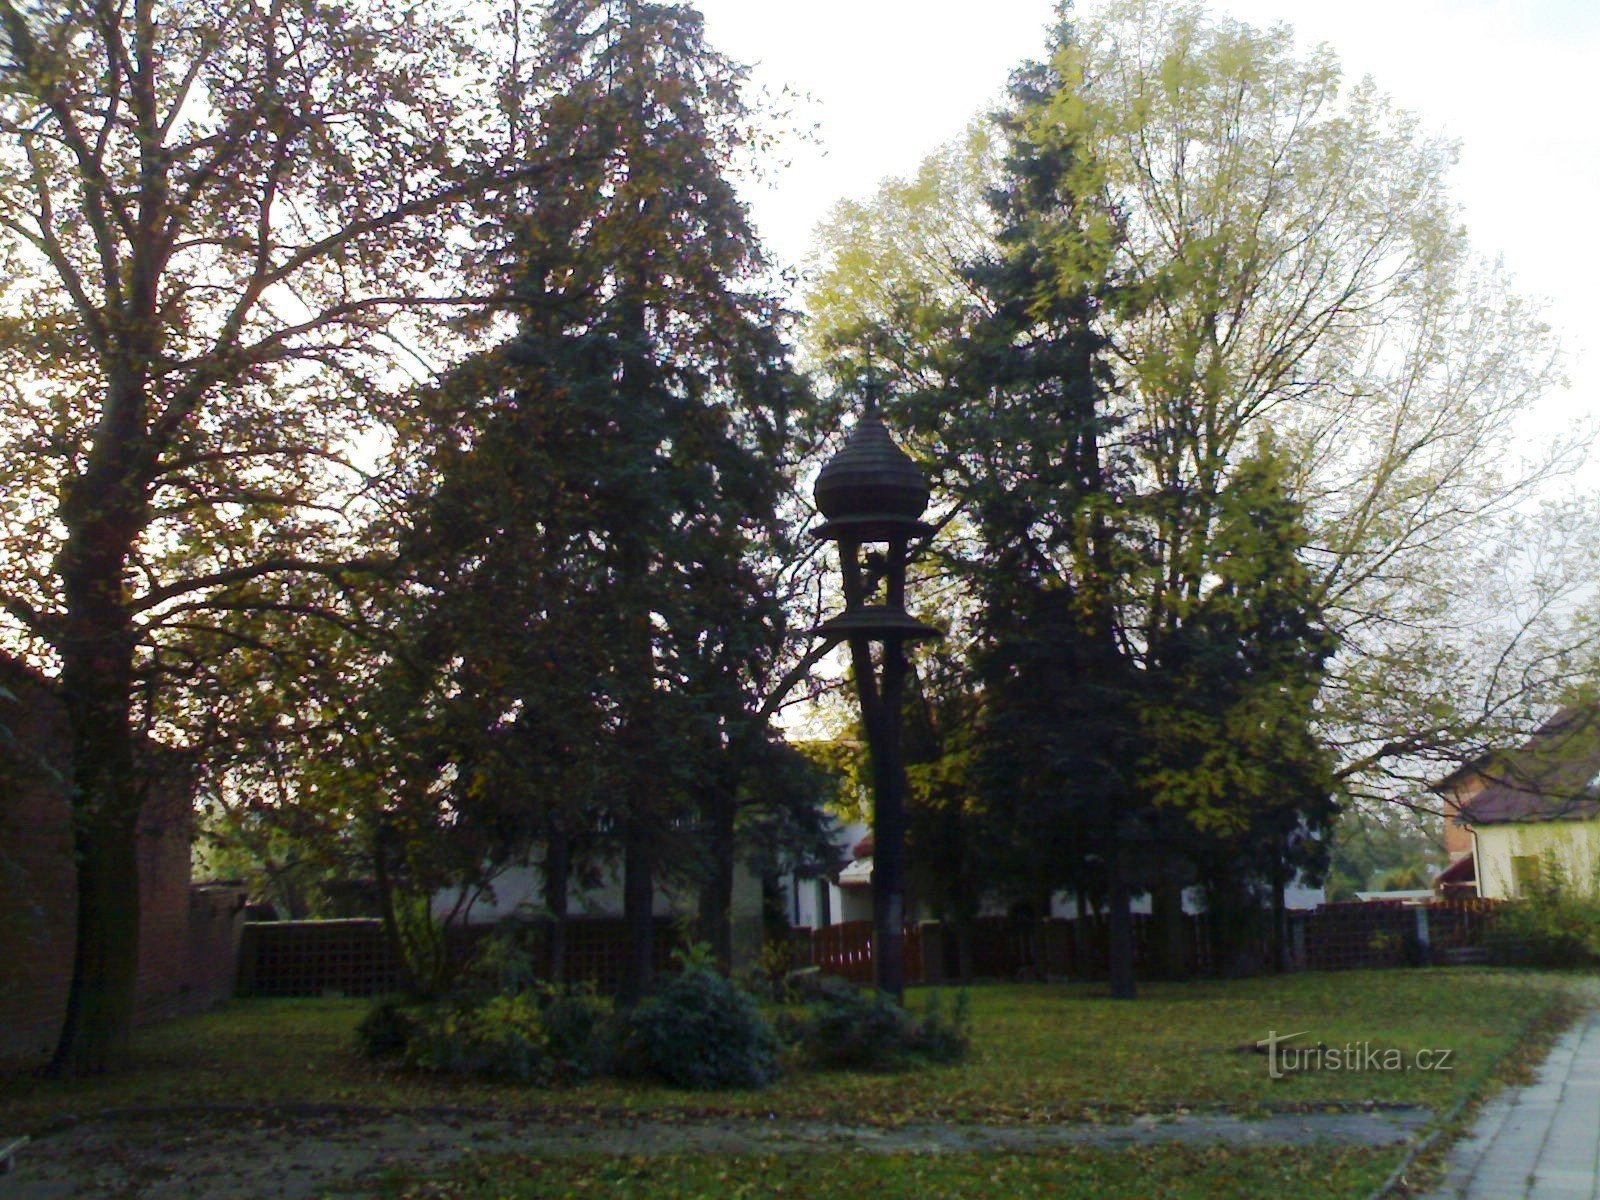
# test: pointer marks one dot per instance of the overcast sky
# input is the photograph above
(1513, 80)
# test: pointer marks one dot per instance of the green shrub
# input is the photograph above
(700, 1031)
(767, 979)
(498, 1038)
(388, 1027)
(1555, 924)
(941, 1038)
(505, 961)
(534, 1036)
(579, 1033)
(846, 1027)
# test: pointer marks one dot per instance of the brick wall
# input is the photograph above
(1464, 786)
(164, 837)
(36, 889)
(215, 925)
(38, 894)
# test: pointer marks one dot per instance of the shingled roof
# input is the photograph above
(1555, 776)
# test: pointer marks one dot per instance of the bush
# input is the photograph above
(579, 1034)
(767, 979)
(534, 1036)
(503, 962)
(845, 1027)
(388, 1027)
(700, 1031)
(1553, 925)
(499, 1038)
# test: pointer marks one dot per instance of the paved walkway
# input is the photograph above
(1540, 1142)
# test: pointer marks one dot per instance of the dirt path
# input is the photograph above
(235, 1156)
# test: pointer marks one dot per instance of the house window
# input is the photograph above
(1524, 873)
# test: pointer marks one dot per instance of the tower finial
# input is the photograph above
(871, 389)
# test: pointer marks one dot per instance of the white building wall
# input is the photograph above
(1573, 844)
(812, 903)
(1298, 894)
(519, 891)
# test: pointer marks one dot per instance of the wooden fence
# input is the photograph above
(315, 958)
(1460, 924)
(1384, 933)
(1358, 934)
(1000, 948)
(1329, 938)
(846, 950)
(354, 958)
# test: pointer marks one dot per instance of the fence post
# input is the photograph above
(932, 951)
(245, 978)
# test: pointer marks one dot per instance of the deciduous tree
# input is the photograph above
(211, 214)
(1287, 259)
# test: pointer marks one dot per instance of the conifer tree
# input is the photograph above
(1027, 435)
(621, 455)
(1240, 785)
(1130, 616)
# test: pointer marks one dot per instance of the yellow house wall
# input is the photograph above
(1575, 843)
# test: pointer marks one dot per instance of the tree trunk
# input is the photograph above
(107, 792)
(557, 881)
(1082, 944)
(386, 909)
(637, 896)
(775, 920)
(715, 916)
(964, 953)
(96, 1035)
(1121, 922)
(1280, 924)
(1221, 919)
(1167, 915)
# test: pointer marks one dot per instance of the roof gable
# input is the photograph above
(1554, 776)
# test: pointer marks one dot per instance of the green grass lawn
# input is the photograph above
(1040, 1053)
(1170, 1172)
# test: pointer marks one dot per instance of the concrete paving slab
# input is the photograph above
(1540, 1142)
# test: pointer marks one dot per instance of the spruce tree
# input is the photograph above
(1229, 760)
(1035, 448)
(622, 453)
